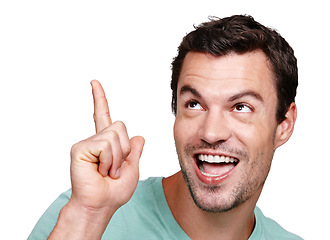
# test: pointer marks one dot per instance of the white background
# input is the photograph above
(51, 50)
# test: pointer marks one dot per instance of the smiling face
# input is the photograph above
(225, 129)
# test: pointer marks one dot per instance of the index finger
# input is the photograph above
(102, 117)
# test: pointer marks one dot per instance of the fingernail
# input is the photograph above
(118, 173)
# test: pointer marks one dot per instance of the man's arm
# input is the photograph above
(104, 175)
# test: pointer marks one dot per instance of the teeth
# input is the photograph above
(216, 159)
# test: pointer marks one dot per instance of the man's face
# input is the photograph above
(225, 129)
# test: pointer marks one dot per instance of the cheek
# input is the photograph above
(259, 143)
(178, 135)
(180, 139)
(260, 167)
(184, 130)
(257, 131)
(258, 139)
(176, 130)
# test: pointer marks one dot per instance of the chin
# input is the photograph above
(233, 187)
(212, 198)
(216, 198)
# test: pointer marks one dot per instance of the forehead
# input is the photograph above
(227, 74)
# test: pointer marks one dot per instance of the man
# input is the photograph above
(234, 83)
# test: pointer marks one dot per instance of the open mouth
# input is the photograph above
(215, 166)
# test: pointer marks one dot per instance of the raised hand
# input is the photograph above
(104, 172)
(104, 167)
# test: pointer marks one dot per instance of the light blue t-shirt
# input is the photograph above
(147, 216)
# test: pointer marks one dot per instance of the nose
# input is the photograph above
(214, 128)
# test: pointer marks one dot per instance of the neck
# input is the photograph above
(237, 223)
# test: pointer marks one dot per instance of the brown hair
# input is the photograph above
(241, 34)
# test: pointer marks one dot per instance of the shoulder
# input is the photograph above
(267, 228)
(148, 188)
(148, 195)
(145, 216)
(48, 220)
(138, 217)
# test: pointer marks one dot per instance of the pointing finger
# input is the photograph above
(102, 117)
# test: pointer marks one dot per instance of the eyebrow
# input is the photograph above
(191, 90)
(248, 93)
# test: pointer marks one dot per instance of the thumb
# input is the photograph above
(137, 144)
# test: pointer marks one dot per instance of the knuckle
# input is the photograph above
(113, 135)
(105, 145)
(100, 116)
(75, 148)
(120, 125)
(126, 149)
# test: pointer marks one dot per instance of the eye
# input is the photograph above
(193, 104)
(242, 108)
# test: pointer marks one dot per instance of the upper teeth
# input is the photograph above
(216, 158)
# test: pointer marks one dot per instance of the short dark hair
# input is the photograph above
(242, 34)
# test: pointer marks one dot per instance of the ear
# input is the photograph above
(285, 129)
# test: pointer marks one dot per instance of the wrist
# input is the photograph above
(77, 222)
